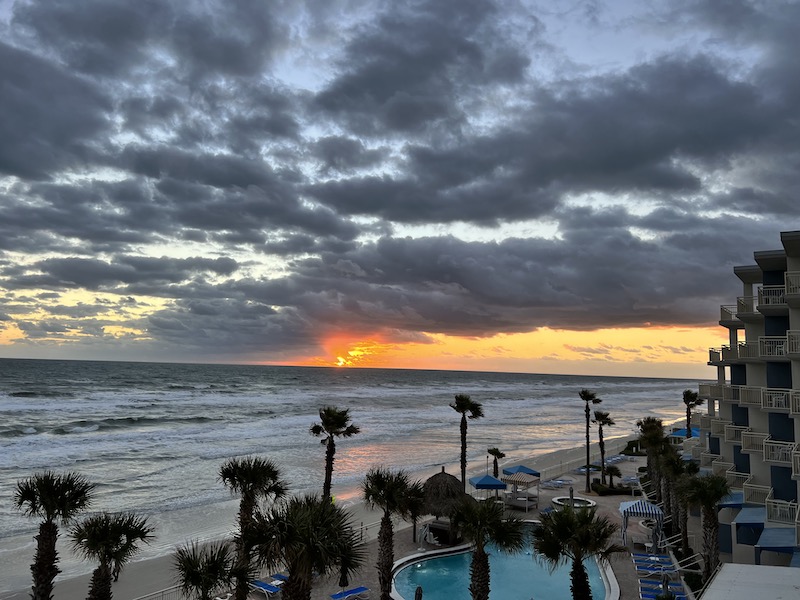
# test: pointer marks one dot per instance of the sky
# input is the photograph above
(498, 185)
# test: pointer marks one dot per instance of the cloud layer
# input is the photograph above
(240, 180)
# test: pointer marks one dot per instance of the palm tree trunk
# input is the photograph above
(330, 451)
(464, 450)
(45, 562)
(688, 422)
(710, 541)
(675, 505)
(665, 494)
(588, 456)
(602, 444)
(684, 518)
(100, 585)
(385, 555)
(579, 582)
(298, 586)
(247, 506)
(479, 574)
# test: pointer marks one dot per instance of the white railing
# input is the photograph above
(793, 341)
(730, 353)
(172, 593)
(728, 313)
(737, 480)
(753, 441)
(795, 402)
(776, 399)
(776, 451)
(772, 295)
(749, 395)
(745, 304)
(720, 467)
(748, 350)
(707, 458)
(697, 452)
(730, 393)
(733, 433)
(714, 355)
(756, 494)
(796, 464)
(792, 281)
(718, 426)
(780, 511)
(705, 421)
(772, 346)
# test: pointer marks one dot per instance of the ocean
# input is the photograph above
(153, 436)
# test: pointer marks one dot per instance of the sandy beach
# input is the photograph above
(145, 577)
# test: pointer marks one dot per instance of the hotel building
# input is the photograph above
(751, 426)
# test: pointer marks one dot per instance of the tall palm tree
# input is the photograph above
(305, 535)
(652, 439)
(575, 535)
(387, 490)
(496, 454)
(56, 499)
(333, 423)
(254, 478)
(691, 400)
(602, 419)
(681, 485)
(589, 398)
(612, 471)
(707, 491)
(484, 522)
(111, 540)
(204, 570)
(464, 404)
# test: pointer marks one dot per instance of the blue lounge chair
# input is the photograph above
(265, 588)
(359, 593)
(280, 577)
(651, 557)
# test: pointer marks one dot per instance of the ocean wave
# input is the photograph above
(89, 425)
(40, 394)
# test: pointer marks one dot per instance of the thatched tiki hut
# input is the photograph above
(443, 493)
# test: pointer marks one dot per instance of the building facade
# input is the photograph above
(751, 427)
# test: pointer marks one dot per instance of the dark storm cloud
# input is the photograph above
(289, 143)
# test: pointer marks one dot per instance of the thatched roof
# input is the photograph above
(442, 493)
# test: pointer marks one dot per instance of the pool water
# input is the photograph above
(512, 577)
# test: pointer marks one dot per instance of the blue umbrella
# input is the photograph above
(521, 469)
(486, 482)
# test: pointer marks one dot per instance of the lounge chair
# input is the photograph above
(656, 594)
(359, 593)
(279, 577)
(265, 588)
(651, 557)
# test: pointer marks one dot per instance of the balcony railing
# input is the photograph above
(749, 395)
(730, 353)
(728, 313)
(730, 393)
(697, 452)
(719, 467)
(707, 458)
(756, 494)
(749, 350)
(773, 346)
(792, 281)
(796, 464)
(718, 426)
(737, 480)
(733, 433)
(780, 452)
(745, 305)
(753, 441)
(795, 402)
(714, 355)
(772, 295)
(776, 399)
(780, 511)
(792, 342)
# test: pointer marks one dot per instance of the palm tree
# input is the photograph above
(612, 471)
(681, 486)
(574, 535)
(602, 419)
(652, 439)
(306, 535)
(464, 404)
(333, 423)
(588, 397)
(388, 491)
(707, 491)
(497, 454)
(483, 522)
(111, 540)
(691, 400)
(204, 571)
(254, 478)
(56, 499)
(416, 506)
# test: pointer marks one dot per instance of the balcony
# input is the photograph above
(792, 281)
(772, 300)
(730, 393)
(707, 458)
(749, 351)
(753, 441)
(727, 317)
(719, 467)
(792, 344)
(780, 511)
(746, 309)
(705, 422)
(773, 347)
(778, 452)
(714, 356)
(749, 395)
(729, 353)
(795, 402)
(733, 433)
(756, 494)
(697, 452)
(718, 426)
(796, 464)
(776, 399)
(737, 480)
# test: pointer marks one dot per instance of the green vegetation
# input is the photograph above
(333, 423)
(464, 404)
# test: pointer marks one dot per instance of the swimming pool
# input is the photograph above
(513, 577)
